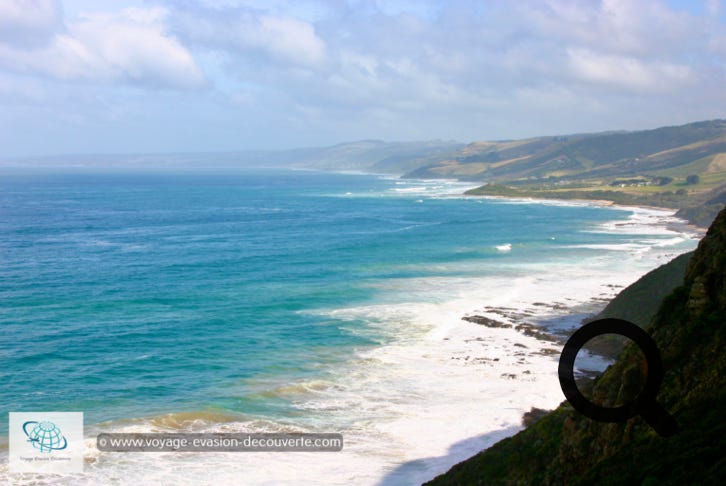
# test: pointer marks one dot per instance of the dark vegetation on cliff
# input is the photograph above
(648, 291)
(564, 447)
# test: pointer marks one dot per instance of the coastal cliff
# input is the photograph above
(565, 447)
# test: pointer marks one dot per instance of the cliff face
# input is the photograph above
(566, 448)
(648, 291)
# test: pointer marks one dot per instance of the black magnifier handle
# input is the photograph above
(658, 418)
(645, 405)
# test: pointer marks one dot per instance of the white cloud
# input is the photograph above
(128, 46)
(292, 39)
(627, 72)
(717, 45)
(250, 35)
(323, 71)
(29, 22)
(714, 7)
(643, 27)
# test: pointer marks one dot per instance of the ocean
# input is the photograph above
(279, 300)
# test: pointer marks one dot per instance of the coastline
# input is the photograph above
(553, 320)
(549, 331)
(555, 326)
(596, 202)
(707, 210)
(466, 385)
(445, 369)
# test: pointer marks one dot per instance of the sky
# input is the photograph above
(102, 76)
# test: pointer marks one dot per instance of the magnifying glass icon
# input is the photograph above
(644, 404)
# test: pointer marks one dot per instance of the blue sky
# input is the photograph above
(177, 76)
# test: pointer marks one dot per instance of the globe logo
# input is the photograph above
(45, 436)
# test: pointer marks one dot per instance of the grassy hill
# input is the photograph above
(668, 151)
(682, 167)
(565, 447)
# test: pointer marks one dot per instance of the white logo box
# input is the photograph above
(45, 442)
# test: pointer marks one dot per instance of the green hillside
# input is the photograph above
(648, 291)
(565, 447)
(673, 151)
(681, 167)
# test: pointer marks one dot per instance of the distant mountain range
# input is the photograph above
(653, 156)
(681, 167)
(693, 148)
(376, 156)
(696, 148)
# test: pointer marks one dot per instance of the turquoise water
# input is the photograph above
(137, 294)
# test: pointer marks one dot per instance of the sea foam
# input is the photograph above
(432, 391)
